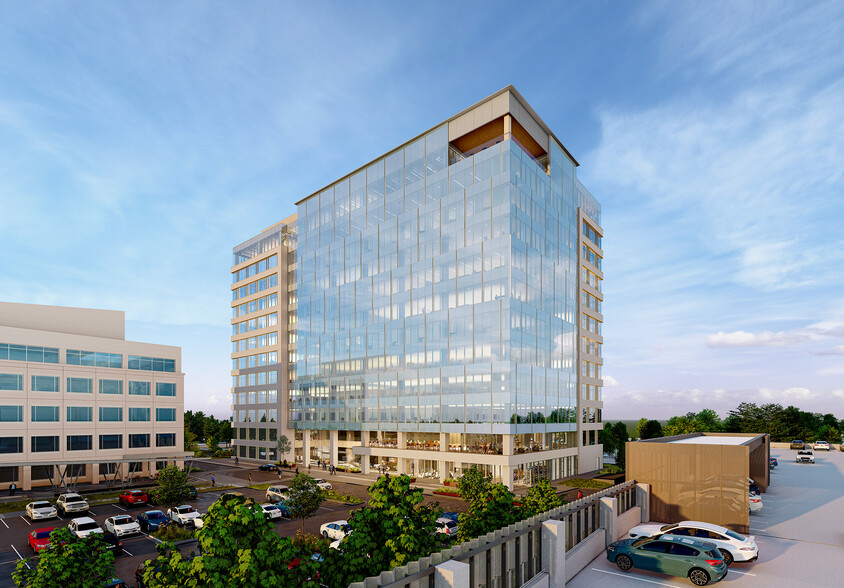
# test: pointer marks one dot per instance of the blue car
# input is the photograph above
(451, 515)
(284, 506)
(152, 520)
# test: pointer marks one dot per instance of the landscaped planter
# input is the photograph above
(446, 493)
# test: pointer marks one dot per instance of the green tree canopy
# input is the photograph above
(540, 498)
(490, 505)
(83, 563)
(283, 446)
(305, 498)
(172, 487)
(649, 429)
(395, 529)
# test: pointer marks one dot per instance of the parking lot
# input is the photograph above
(14, 528)
(799, 531)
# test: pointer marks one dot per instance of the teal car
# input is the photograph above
(699, 561)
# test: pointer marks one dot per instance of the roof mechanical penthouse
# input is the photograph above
(449, 306)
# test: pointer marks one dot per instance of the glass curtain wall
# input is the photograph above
(437, 298)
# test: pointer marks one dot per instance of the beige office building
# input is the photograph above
(263, 341)
(79, 403)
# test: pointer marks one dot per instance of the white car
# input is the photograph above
(820, 446)
(447, 527)
(71, 502)
(335, 545)
(805, 456)
(733, 546)
(122, 525)
(335, 530)
(755, 502)
(81, 527)
(277, 493)
(323, 485)
(198, 522)
(182, 515)
(271, 511)
(40, 510)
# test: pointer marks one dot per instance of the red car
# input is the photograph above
(133, 497)
(40, 538)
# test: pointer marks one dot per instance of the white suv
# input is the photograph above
(183, 515)
(71, 502)
(277, 494)
(820, 446)
(447, 527)
(83, 526)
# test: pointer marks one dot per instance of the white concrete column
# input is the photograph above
(508, 442)
(364, 438)
(401, 439)
(643, 500)
(306, 448)
(554, 551)
(507, 476)
(25, 477)
(443, 441)
(333, 440)
(401, 466)
(451, 574)
(442, 466)
(364, 459)
(607, 514)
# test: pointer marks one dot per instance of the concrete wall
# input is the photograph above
(579, 556)
(63, 319)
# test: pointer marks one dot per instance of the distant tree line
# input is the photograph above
(207, 428)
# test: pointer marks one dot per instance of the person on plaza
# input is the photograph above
(250, 478)
(297, 470)
(279, 474)
(12, 488)
(236, 460)
(579, 494)
(213, 481)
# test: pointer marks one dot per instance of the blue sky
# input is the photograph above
(140, 141)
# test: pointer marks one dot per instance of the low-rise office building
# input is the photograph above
(79, 403)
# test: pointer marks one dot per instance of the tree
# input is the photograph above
(708, 421)
(283, 446)
(620, 438)
(305, 498)
(172, 487)
(190, 439)
(84, 563)
(490, 505)
(606, 438)
(651, 429)
(395, 529)
(540, 498)
(224, 432)
(238, 547)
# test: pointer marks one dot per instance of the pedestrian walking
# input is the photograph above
(579, 494)
(309, 467)
(12, 488)
(236, 461)
(250, 478)
(213, 481)
(297, 470)
(279, 474)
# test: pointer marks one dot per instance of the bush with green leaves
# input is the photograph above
(82, 563)
(304, 498)
(541, 497)
(172, 532)
(490, 505)
(172, 487)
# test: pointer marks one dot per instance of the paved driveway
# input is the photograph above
(800, 533)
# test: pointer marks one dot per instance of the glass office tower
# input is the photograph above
(440, 319)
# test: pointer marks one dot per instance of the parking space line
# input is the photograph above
(20, 556)
(4, 522)
(120, 507)
(127, 552)
(632, 577)
(742, 573)
(26, 521)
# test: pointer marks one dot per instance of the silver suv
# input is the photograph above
(71, 502)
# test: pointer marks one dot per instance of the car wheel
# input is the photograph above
(699, 577)
(728, 558)
(623, 562)
(325, 534)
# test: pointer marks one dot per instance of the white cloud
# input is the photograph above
(837, 350)
(610, 382)
(744, 339)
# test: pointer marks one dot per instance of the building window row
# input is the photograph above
(50, 443)
(94, 359)
(12, 382)
(265, 340)
(591, 302)
(256, 434)
(261, 322)
(591, 324)
(591, 347)
(255, 268)
(85, 385)
(255, 397)
(151, 364)
(590, 369)
(251, 361)
(255, 287)
(260, 415)
(256, 379)
(84, 414)
(592, 257)
(255, 305)
(591, 279)
(591, 234)
(31, 353)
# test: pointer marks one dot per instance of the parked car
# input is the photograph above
(797, 444)
(323, 485)
(285, 507)
(199, 522)
(151, 520)
(755, 503)
(116, 583)
(112, 543)
(447, 527)
(335, 545)
(40, 538)
(40, 510)
(71, 502)
(122, 525)
(805, 456)
(81, 527)
(191, 492)
(451, 515)
(271, 512)
(733, 546)
(277, 493)
(821, 446)
(133, 497)
(335, 530)
(753, 486)
(182, 515)
(699, 561)
(267, 467)
(773, 462)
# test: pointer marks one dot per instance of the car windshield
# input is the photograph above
(41, 505)
(184, 509)
(667, 528)
(136, 493)
(450, 524)
(43, 534)
(122, 520)
(87, 526)
(641, 541)
(156, 514)
(74, 499)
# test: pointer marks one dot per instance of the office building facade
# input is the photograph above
(79, 403)
(441, 315)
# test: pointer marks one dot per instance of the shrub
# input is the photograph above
(446, 491)
(173, 533)
(586, 483)
(612, 469)
(310, 543)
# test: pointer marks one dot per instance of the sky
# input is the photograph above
(141, 141)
